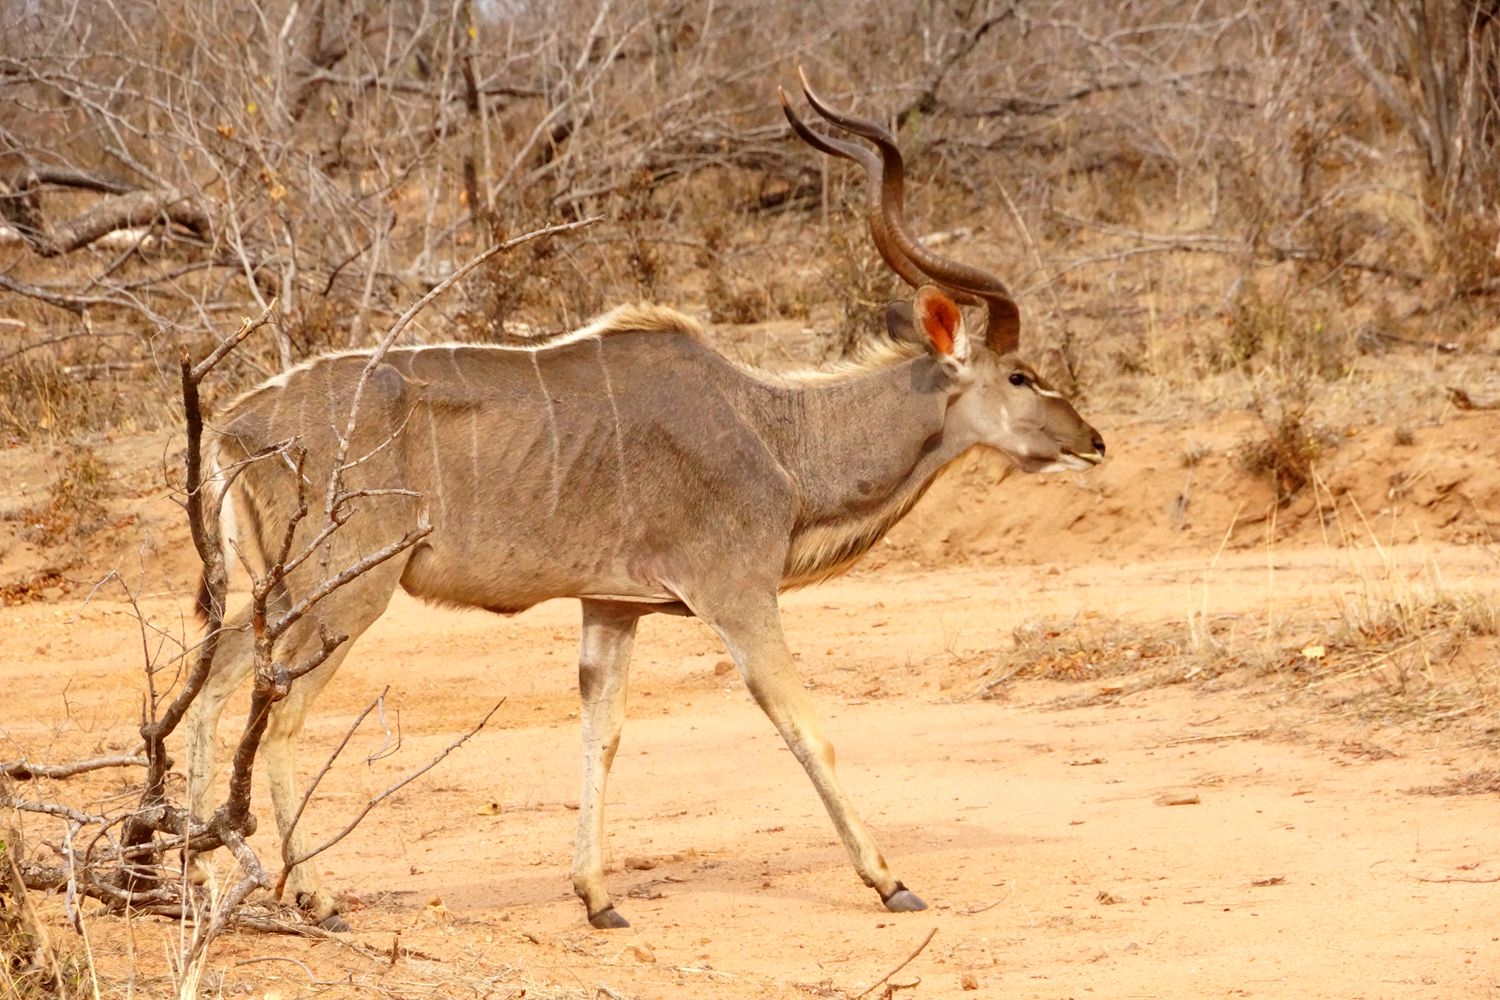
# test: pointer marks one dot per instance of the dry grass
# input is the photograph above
(1485, 781)
(1293, 438)
(32, 966)
(1110, 656)
(39, 400)
(1423, 657)
(75, 506)
(1455, 614)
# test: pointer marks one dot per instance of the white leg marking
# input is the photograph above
(603, 664)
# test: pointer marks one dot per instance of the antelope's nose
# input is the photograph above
(1098, 443)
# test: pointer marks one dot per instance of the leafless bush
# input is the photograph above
(74, 507)
(125, 861)
(1435, 68)
(1293, 438)
(338, 158)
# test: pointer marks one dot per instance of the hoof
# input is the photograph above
(608, 919)
(198, 869)
(330, 921)
(903, 900)
(335, 923)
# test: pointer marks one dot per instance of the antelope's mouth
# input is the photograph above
(1067, 461)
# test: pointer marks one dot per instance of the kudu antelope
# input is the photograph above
(630, 465)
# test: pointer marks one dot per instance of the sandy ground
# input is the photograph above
(1298, 864)
(1246, 833)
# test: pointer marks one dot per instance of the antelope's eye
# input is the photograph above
(1017, 378)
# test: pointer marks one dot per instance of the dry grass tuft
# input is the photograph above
(75, 505)
(1101, 650)
(38, 399)
(1293, 438)
(1452, 614)
(1485, 781)
(31, 966)
(1422, 655)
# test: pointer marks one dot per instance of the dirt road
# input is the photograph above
(1224, 838)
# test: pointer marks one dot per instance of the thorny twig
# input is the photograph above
(312, 786)
(904, 963)
(392, 790)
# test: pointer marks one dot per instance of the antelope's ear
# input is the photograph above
(941, 325)
(901, 323)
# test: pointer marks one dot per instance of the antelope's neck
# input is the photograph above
(862, 452)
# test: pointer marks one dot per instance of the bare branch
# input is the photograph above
(25, 770)
(392, 790)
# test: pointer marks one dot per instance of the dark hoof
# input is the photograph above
(608, 919)
(331, 921)
(335, 923)
(903, 900)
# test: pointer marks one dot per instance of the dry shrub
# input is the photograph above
(31, 967)
(38, 399)
(1291, 334)
(556, 281)
(1457, 614)
(1292, 440)
(646, 260)
(1290, 349)
(1471, 251)
(859, 282)
(75, 505)
(320, 324)
(729, 295)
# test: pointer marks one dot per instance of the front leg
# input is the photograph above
(755, 640)
(603, 663)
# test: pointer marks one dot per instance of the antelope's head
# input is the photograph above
(998, 398)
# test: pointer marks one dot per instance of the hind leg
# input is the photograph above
(232, 662)
(603, 662)
(352, 609)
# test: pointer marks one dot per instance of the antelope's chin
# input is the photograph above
(1066, 462)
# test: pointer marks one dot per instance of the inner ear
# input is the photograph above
(941, 322)
(901, 322)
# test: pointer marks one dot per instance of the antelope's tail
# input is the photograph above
(218, 501)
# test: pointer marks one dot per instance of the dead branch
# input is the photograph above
(73, 303)
(1218, 243)
(137, 208)
(52, 809)
(327, 586)
(904, 963)
(204, 527)
(312, 786)
(83, 180)
(25, 770)
(392, 790)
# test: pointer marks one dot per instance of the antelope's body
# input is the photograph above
(632, 466)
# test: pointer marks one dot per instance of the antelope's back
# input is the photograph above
(582, 469)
